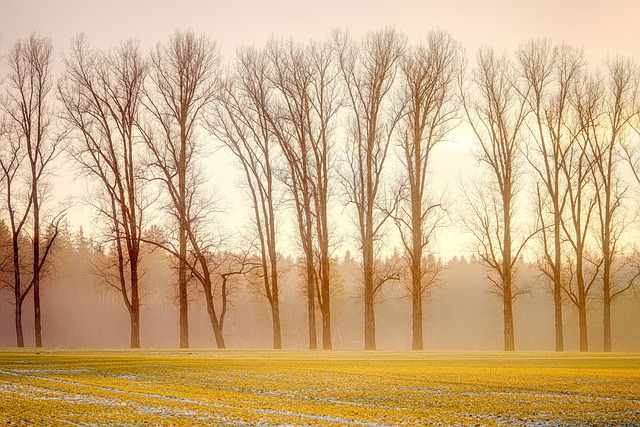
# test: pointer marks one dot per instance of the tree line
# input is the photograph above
(311, 126)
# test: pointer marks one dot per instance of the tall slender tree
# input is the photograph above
(577, 167)
(182, 83)
(428, 77)
(549, 75)
(12, 160)
(30, 108)
(243, 120)
(101, 93)
(368, 69)
(496, 114)
(305, 80)
(620, 103)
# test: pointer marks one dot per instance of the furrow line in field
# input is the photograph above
(198, 402)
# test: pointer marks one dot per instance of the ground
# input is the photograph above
(324, 388)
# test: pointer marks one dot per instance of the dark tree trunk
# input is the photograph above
(182, 296)
(369, 314)
(135, 307)
(18, 317)
(416, 254)
(17, 290)
(182, 231)
(416, 314)
(557, 306)
(135, 327)
(326, 305)
(36, 255)
(606, 276)
(36, 310)
(277, 333)
(211, 310)
(507, 268)
(311, 304)
(582, 316)
(584, 340)
(557, 282)
(325, 260)
(607, 317)
(509, 338)
(326, 330)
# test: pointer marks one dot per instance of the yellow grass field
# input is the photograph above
(300, 388)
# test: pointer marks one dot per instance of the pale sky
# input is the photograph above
(601, 27)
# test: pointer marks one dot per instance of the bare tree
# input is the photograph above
(549, 75)
(18, 206)
(619, 108)
(368, 70)
(428, 73)
(306, 81)
(29, 108)
(577, 167)
(101, 94)
(496, 113)
(243, 121)
(182, 82)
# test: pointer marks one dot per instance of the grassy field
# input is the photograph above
(287, 388)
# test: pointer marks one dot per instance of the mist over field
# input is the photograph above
(460, 314)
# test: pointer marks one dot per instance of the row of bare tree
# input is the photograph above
(573, 131)
(303, 120)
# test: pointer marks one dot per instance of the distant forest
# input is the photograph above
(341, 130)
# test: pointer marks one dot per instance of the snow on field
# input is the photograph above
(319, 389)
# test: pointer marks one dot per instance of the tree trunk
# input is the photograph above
(584, 341)
(19, 334)
(182, 262)
(182, 294)
(557, 304)
(135, 307)
(416, 314)
(557, 276)
(325, 265)
(509, 339)
(326, 329)
(17, 284)
(277, 334)
(606, 321)
(606, 269)
(36, 311)
(582, 314)
(36, 258)
(217, 330)
(369, 314)
(416, 254)
(418, 340)
(213, 317)
(509, 335)
(369, 322)
(135, 327)
(325, 308)
(311, 303)
(507, 271)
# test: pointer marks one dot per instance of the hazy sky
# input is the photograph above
(602, 27)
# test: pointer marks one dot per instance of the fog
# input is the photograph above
(460, 313)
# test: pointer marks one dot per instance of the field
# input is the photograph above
(294, 388)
